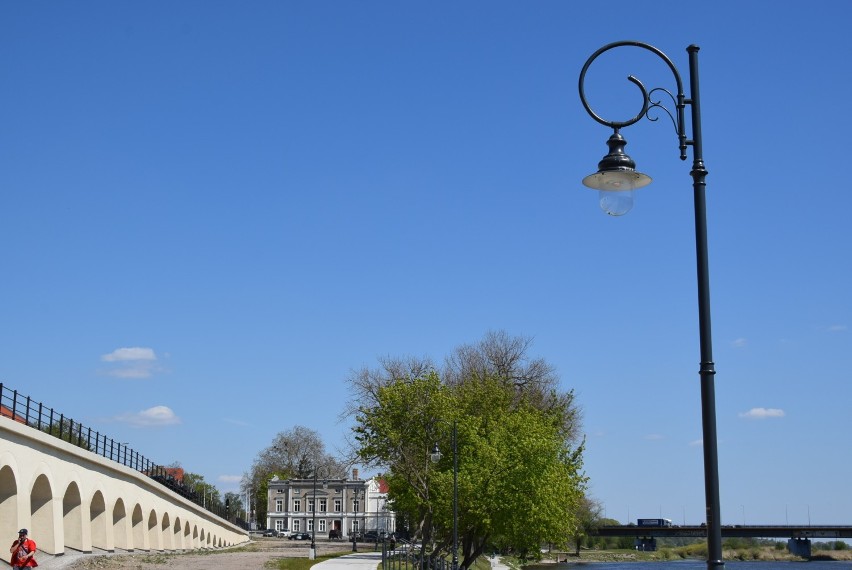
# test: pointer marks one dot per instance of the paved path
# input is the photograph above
(354, 561)
(369, 561)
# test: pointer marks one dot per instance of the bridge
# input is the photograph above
(71, 498)
(798, 536)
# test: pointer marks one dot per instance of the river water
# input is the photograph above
(697, 565)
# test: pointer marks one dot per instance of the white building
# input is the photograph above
(344, 505)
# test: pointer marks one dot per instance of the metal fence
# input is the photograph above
(402, 555)
(23, 409)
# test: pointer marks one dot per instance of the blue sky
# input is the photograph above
(211, 212)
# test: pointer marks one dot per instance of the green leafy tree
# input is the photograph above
(233, 504)
(588, 519)
(206, 493)
(71, 432)
(519, 463)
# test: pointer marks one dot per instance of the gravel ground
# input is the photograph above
(255, 555)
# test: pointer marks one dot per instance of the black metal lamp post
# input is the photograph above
(313, 553)
(616, 179)
(354, 533)
(436, 456)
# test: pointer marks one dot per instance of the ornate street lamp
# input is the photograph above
(436, 456)
(616, 179)
(355, 520)
(313, 553)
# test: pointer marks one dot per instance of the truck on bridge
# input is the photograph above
(654, 522)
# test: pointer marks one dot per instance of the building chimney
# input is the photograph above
(355, 474)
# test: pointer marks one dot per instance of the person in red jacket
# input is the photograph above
(23, 551)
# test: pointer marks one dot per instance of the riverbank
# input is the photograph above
(264, 552)
(756, 554)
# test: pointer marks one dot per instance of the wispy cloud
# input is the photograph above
(739, 343)
(132, 362)
(152, 417)
(135, 353)
(696, 443)
(654, 437)
(230, 478)
(837, 328)
(762, 413)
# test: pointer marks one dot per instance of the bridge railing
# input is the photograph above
(17, 407)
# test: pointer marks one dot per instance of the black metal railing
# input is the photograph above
(403, 555)
(23, 409)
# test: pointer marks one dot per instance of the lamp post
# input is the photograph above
(615, 180)
(313, 553)
(354, 520)
(436, 456)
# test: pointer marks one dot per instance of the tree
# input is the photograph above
(205, 493)
(519, 464)
(233, 501)
(293, 454)
(588, 519)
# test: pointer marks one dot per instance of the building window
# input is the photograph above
(297, 505)
(354, 526)
(279, 506)
(323, 505)
(337, 505)
(310, 524)
(279, 524)
(310, 505)
(321, 525)
(297, 525)
(356, 504)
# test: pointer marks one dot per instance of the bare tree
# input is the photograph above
(297, 453)
(507, 358)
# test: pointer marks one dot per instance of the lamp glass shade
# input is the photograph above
(616, 203)
(615, 188)
(616, 180)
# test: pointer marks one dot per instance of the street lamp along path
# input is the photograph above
(615, 180)
(436, 456)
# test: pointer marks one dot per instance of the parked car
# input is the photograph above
(300, 536)
(269, 532)
(283, 533)
(372, 536)
(334, 534)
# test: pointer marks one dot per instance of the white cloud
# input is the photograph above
(739, 343)
(152, 417)
(132, 362)
(762, 413)
(230, 478)
(654, 437)
(837, 328)
(139, 371)
(132, 354)
(696, 443)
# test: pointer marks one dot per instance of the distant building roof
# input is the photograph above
(7, 413)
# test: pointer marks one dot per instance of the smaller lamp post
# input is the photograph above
(436, 456)
(313, 553)
(354, 520)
